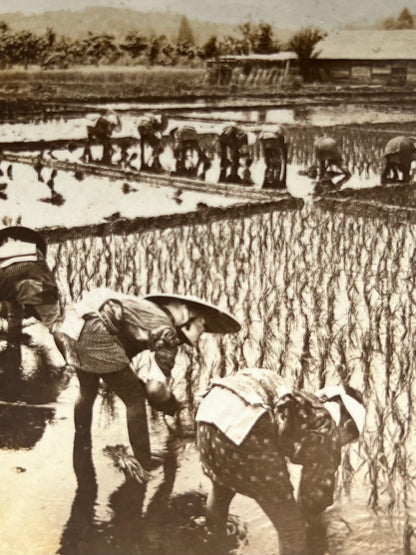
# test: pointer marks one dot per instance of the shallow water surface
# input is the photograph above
(321, 295)
(93, 510)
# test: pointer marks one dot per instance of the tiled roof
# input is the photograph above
(368, 45)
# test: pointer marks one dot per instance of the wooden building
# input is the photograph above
(252, 70)
(373, 57)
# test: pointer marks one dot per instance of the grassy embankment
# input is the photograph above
(26, 90)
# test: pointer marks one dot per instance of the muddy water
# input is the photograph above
(94, 510)
(50, 507)
(362, 134)
(348, 114)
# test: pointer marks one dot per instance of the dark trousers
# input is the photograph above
(392, 168)
(126, 385)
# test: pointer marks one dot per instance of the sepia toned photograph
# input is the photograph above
(207, 277)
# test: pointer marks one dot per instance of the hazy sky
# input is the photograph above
(282, 13)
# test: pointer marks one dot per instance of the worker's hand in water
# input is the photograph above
(127, 463)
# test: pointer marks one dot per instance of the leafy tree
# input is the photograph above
(263, 39)
(4, 27)
(405, 20)
(99, 48)
(22, 47)
(256, 38)
(185, 34)
(154, 50)
(210, 48)
(134, 44)
(246, 29)
(50, 37)
(303, 43)
(169, 53)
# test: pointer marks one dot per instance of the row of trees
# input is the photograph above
(50, 51)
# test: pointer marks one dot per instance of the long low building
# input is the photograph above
(368, 56)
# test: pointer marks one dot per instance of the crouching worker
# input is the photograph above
(275, 150)
(233, 144)
(248, 424)
(399, 154)
(27, 285)
(102, 132)
(108, 329)
(151, 128)
(327, 156)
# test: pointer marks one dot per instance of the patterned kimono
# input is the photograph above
(268, 422)
(104, 344)
(27, 281)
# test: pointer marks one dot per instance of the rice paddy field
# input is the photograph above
(325, 290)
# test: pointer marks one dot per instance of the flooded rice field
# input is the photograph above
(321, 296)
(90, 199)
(361, 143)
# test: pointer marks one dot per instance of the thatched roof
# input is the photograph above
(277, 57)
(368, 45)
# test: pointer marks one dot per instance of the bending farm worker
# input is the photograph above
(108, 329)
(274, 143)
(233, 142)
(27, 285)
(327, 155)
(186, 151)
(399, 154)
(150, 128)
(248, 423)
(102, 131)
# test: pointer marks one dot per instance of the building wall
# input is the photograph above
(397, 72)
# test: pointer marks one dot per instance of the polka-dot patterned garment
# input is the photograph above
(296, 426)
(255, 468)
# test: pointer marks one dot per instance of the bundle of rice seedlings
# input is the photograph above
(127, 463)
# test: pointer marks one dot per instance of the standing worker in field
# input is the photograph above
(248, 424)
(102, 131)
(274, 143)
(108, 329)
(327, 155)
(399, 154)
(151, 128)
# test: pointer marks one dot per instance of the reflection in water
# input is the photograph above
(361, 133)
(167, 525)
(22, 426)
(343, 114)
(32, 381)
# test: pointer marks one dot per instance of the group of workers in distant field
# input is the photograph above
(191, 160)
(235, 150)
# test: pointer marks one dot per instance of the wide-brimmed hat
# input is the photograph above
(217, 320)
(354, 408)
(113, 118)
(26, 234)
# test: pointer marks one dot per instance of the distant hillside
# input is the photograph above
(118, 22)
(379, 24)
